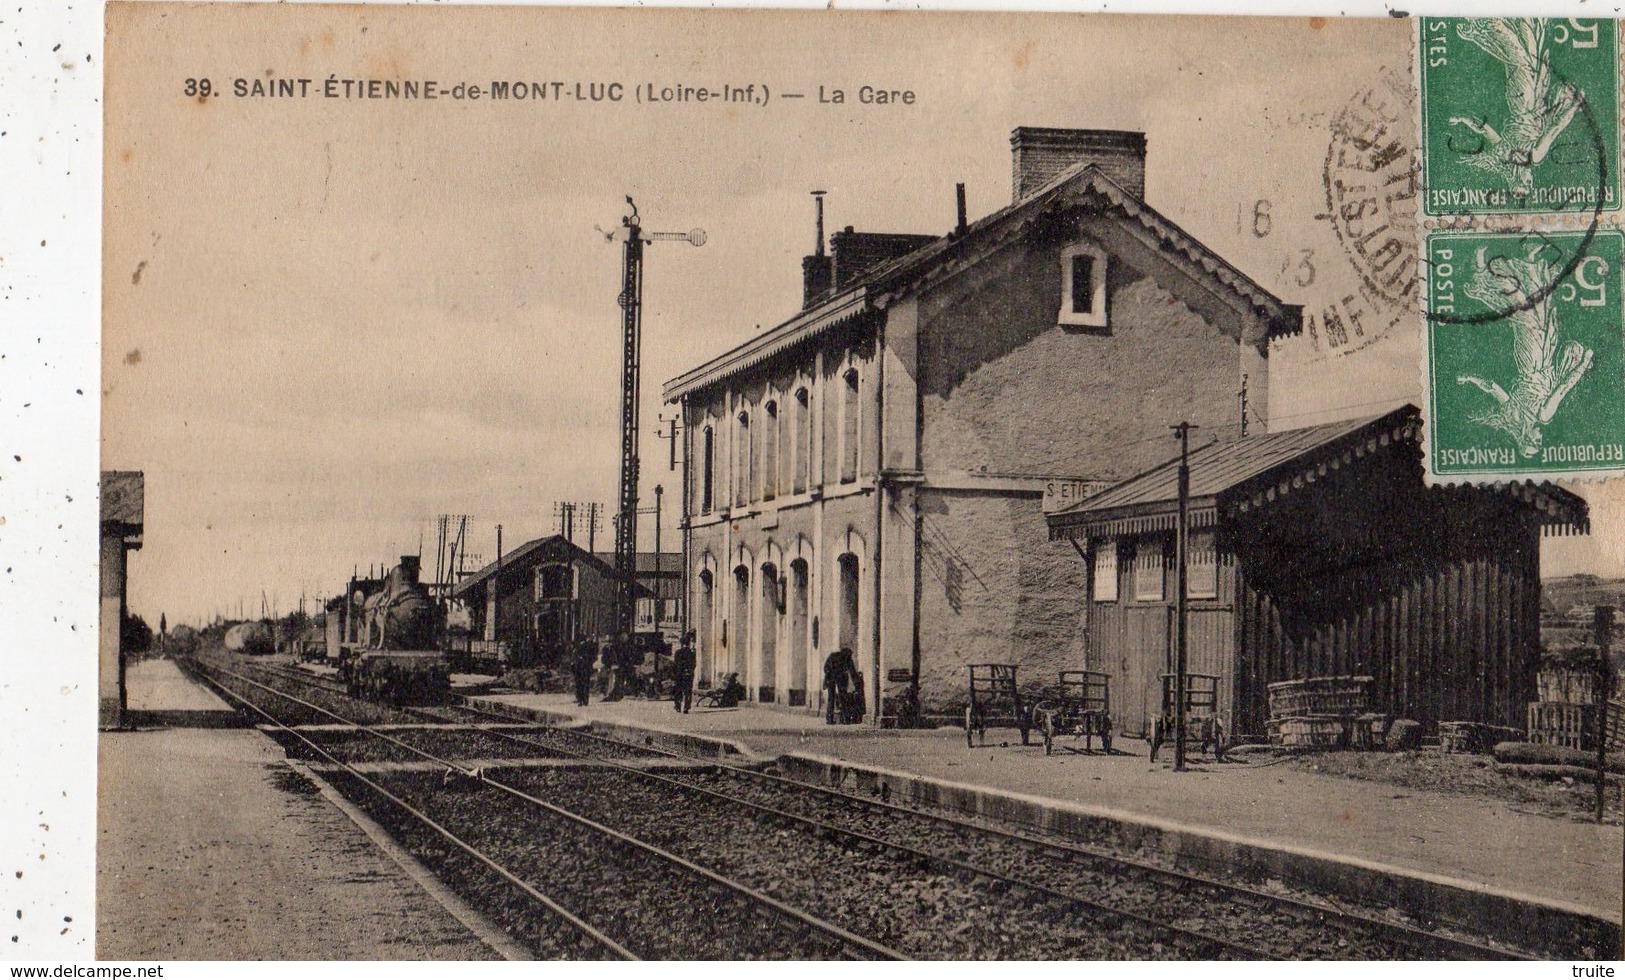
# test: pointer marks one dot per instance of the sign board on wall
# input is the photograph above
(1060, 493)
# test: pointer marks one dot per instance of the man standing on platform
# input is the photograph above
(682, 674)
(581, 667)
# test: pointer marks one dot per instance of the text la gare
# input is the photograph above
(867, 95)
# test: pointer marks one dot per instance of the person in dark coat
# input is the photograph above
(841, 678)
(581, 669)
(682, 674)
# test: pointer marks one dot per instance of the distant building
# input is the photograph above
(662, 575)
(1318, 552)
(873, 472)
(550, 591)
(122, 508)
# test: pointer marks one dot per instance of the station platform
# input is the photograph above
(209, 846)
(1485, 858)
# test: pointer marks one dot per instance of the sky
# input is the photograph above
(327, 321)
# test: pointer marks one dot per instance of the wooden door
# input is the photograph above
(1138, 697)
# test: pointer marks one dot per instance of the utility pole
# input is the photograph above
(659, 565)
(670, 436)
(1182, 432)
(631, 302)
(1603, 632)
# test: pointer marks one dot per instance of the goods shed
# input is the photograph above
(1319, 552)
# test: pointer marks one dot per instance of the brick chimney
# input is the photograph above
(817, 269)
(1039, 154)
(857, 252)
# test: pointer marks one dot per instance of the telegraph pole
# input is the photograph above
(669, 434)
(631, 302)
(1182, 432)
(1603, 633)
(658, 564)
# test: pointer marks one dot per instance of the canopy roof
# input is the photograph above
(1229, 477)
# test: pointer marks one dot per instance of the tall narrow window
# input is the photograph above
(1202, 568)
(849, 426)
(801, 463)
(1083, 286)
(742, 460)
(1106, 571)
(770, 450)
(708, 468)
(1148, 571)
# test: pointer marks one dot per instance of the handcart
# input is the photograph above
(994, 701)
(1202, 722)
(1079, 706)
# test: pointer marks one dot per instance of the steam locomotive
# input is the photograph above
(397, 660)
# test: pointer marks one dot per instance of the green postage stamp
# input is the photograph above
(1519, 115)
(1524, 355)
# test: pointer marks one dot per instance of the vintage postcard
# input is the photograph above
(718, 485)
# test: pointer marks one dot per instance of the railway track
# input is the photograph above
(1144, 909)
(1070, 872)
(610, 888)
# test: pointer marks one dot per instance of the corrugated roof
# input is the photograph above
(1221, 464)
(870, 292)
(123, 495)
(1235, 475)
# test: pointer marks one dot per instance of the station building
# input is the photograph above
(123, 501)
(872, 471)
(1319, 552)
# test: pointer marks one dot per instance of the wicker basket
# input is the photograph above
(1311, 731)
(1313, 696)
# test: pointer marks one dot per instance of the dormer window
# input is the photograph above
(1083, 287)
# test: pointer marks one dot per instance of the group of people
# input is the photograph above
(844, 700)
(619, 660)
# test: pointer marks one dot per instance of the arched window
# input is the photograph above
(770, 450)
(849, 426)
(708, 469)
(742, 460)
(801, 444)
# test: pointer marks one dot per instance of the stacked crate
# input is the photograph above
(1321, 712)
(1566, 712)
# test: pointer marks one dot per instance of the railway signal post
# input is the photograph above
(631, 302)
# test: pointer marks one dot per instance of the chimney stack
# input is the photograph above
(959, 194)
(817, 269)
(1040, 154)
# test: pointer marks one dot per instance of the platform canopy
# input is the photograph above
(1236, 476)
